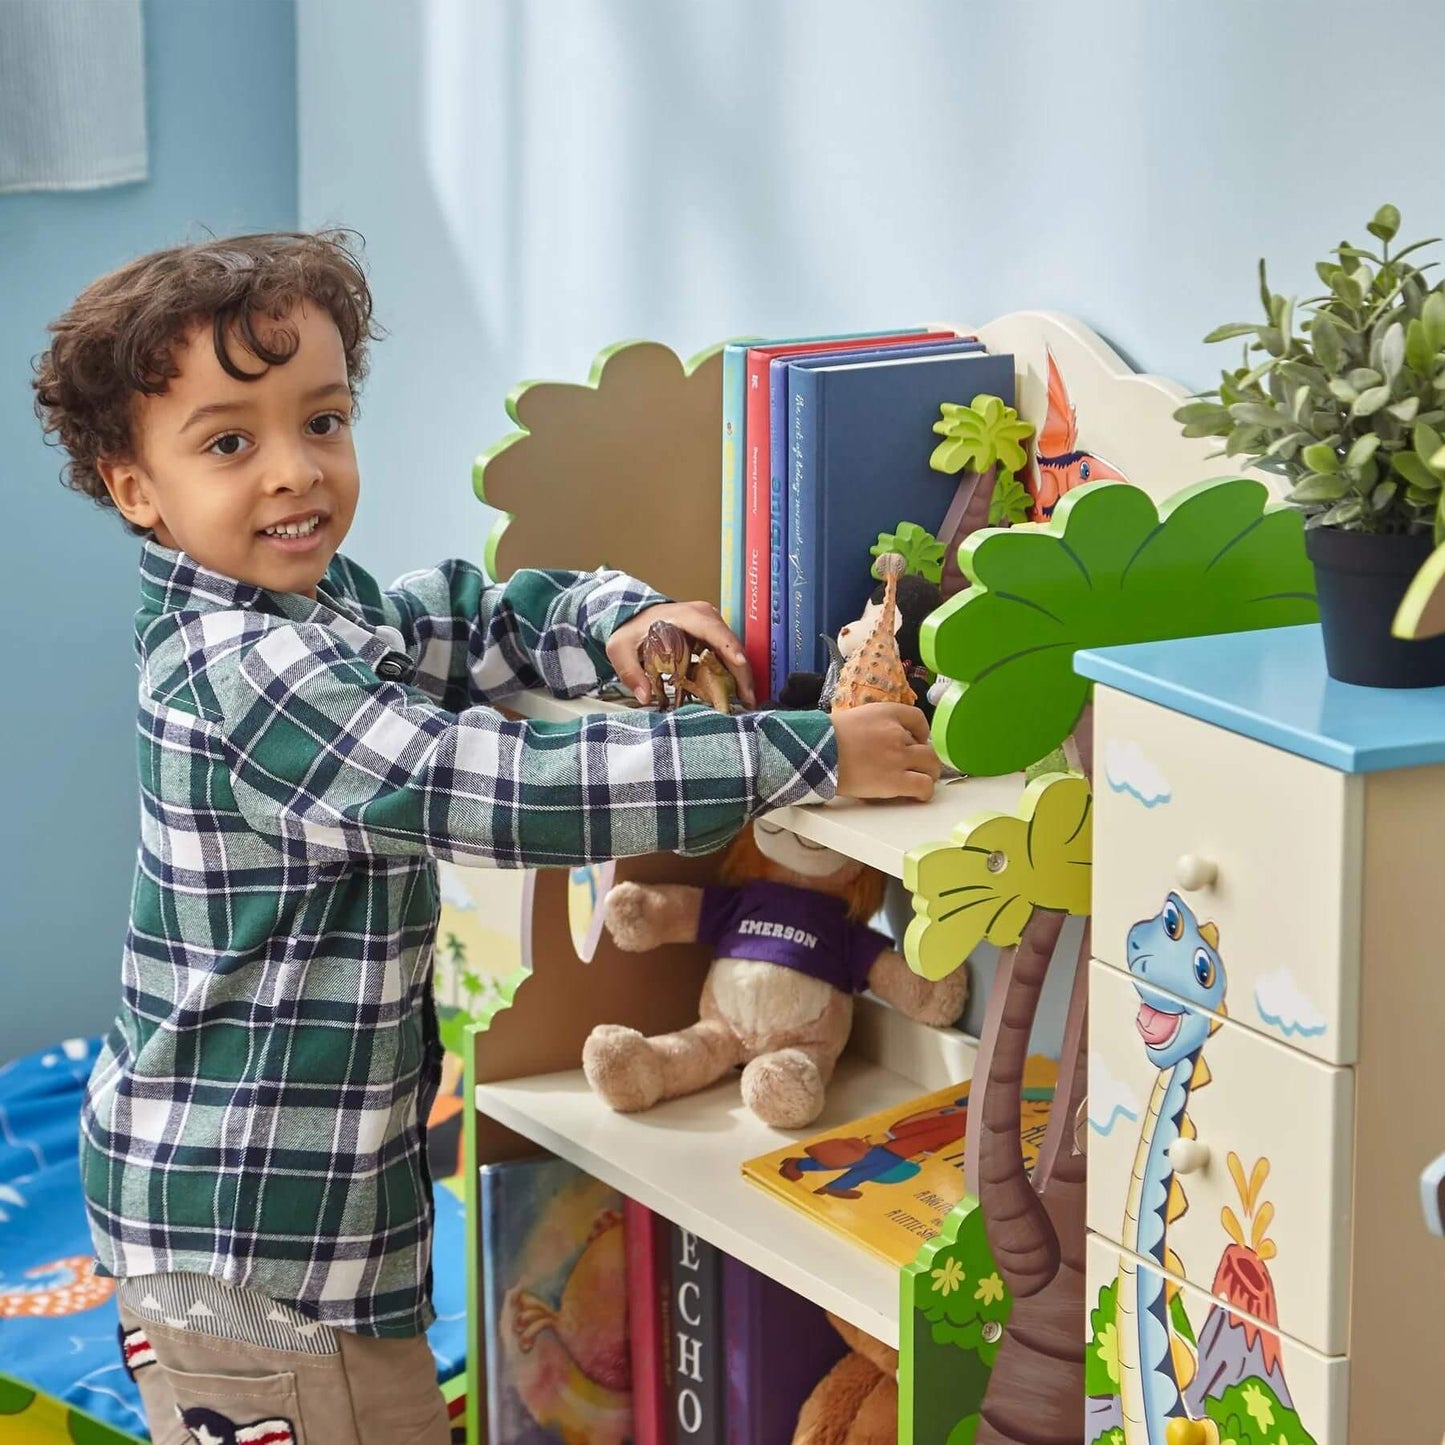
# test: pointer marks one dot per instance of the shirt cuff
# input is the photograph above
(798, 759)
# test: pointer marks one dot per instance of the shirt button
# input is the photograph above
(393, 667)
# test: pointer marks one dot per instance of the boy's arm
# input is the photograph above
(478, 641)
(332, 764)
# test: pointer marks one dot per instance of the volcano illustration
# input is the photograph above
(1233, 1345)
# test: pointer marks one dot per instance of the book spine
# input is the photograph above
(648, 1324)
(756, 542)
(779, 655)
(699, 1393)
(740, 1345)
(805, 505)
(491, 1304)
(734, 521)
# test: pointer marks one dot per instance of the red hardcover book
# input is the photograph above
(646, 1241)
(758, 523)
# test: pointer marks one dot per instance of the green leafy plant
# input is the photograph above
(1350, 407)
(1108, 567)
(918, 547)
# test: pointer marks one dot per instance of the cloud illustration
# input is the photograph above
(1283, 1005)
(454, 891)
(1129, 771)
(1110, 1099)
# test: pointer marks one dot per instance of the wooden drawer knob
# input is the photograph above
(1192, 872)
(1188, 1156)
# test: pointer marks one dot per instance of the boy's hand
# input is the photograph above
(700, 620)
(884, 752)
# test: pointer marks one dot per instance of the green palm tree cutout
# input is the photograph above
(1109, 567)
(983, 444)
(919, 548)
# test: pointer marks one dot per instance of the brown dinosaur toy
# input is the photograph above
(667, 652)
(875, 673)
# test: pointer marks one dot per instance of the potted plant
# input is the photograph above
(1349, 406)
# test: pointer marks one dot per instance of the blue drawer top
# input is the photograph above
(1272, 685)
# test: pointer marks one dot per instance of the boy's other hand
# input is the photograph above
(884, 752)
(701, 621)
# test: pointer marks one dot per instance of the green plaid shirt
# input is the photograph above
(258, 1112)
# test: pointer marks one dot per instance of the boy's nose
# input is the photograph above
(296, 472)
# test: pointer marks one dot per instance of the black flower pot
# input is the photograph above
(1360, 579)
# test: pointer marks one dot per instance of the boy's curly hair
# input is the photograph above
(118, 338)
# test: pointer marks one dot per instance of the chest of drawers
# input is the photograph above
(1266, 1039)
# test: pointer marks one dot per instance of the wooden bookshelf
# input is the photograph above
(682, 1159)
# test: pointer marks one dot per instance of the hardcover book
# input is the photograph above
(860, 439)
(887, 1182)
(699, 1394)
(554, 1285)
(761, 528)
(649, 1319)
(778, 1346)
(781, 654)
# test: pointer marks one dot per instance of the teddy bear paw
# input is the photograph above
(628, 917)
(784, 1089)
(622, 1068)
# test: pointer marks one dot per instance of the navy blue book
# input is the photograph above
(779, 438)
(859, 438)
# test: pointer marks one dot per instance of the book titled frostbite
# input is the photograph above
(554, 1283)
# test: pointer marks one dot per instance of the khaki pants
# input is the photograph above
(199, 1390)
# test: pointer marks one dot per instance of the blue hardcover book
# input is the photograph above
(554, 1293)
(780, 446)
(783, 653)
(861, 435)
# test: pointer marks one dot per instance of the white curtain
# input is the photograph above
(72, 94)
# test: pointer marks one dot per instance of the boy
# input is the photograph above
(252, 1138)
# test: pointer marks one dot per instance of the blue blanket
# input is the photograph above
(58, 1322)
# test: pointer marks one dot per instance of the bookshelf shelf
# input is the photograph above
(683, 1158)
(879, 834)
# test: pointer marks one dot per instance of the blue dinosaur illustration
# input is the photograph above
(1180, 978)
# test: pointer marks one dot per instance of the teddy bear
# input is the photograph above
(856, 1402)
(791, 948)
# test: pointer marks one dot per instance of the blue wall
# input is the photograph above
(221, 111)
(533, 188)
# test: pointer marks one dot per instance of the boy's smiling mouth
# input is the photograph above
(298, 533)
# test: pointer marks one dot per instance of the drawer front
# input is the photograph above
(1226, 1364)
(1264, 1186)
(1259, 843)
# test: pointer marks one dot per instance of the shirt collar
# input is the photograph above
(173, 581)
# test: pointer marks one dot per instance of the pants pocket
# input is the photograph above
(232, 1410)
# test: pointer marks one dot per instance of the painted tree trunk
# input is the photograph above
(966, 514)
(1035, 1227)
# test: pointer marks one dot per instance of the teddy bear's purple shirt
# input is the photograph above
(792, 927)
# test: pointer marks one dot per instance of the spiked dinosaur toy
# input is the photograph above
(875, 673)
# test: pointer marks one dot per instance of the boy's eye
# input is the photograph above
(327, 424)
(228, 444)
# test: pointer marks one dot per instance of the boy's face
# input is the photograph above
(220, 464)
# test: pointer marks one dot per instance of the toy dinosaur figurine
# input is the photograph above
(667, 652)
(875, 673)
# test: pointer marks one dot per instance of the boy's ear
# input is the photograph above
(129, 489)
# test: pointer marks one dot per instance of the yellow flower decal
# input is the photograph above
(949, 1278)
(990, 1289)
(1260, 1410)
(1108, 1344)
(1001, 867)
